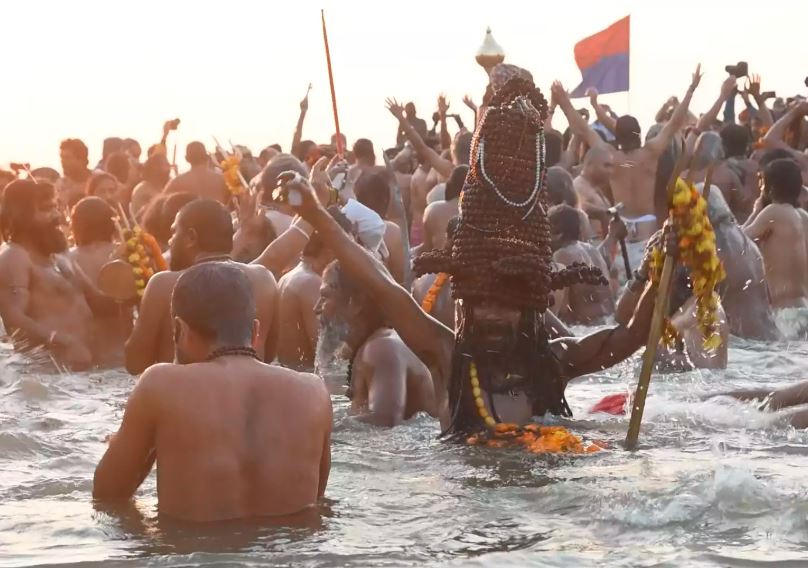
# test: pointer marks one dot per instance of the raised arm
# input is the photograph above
(577, 123)
(426, 337)
(665, 111)
(775, 137)
(398, 215)
(604, 117)
(660, 142)
(443, 107)
(709, 117)
(298, 135)
(763, 112)
(427, 154)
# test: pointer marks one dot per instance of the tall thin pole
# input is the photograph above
(340, 149)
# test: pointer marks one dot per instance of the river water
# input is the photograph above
(714, 483)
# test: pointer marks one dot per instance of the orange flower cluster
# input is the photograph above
(232, 177)
(697, 252)
(432, 294)
(145, 256)
(534, 438)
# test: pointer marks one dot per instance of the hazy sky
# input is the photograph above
(237, 70)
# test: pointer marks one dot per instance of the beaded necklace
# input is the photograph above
(490, 422)
(536, 185)
(236, 351)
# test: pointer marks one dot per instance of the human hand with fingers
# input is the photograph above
(443, 105)
(395, 108)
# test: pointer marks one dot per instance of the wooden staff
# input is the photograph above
(657, 320)
(174, 159)
(340, 149)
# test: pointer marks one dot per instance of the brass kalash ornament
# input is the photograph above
(500, 254)
(490, 53)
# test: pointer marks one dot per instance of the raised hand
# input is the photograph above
(697, 75)
(299, 194)
(304, 104)
(592, 93)
(469, 103)
(728, 86)
(443, 105)
(754, 85)
(395, 108)
(320, 177)
(558, 95)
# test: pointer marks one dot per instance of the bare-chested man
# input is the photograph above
(434, 344)
(781, 230)
(200, 180)
(232, 437)
(156, 174)
(744, 292)
(202, 232)
(299, 292)
(75, 173)
(580, 303)
(91, 222)
(437, 215)
(44, 300)
(635, 164)
(592, 186)
(387, 384)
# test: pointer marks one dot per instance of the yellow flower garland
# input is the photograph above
(698, 253)
(232, 178)
(144, 255)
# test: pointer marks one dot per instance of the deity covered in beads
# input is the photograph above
(499, 264)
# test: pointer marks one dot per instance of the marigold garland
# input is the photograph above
(698, 253)
(144, 255)
(232, 175)
(535, 439)
(432, 294)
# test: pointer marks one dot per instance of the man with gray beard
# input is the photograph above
(387, 383)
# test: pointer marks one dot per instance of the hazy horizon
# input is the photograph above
(238, 71)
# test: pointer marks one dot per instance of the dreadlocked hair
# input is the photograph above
(544, 386)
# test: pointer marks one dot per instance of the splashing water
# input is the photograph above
(715, 482)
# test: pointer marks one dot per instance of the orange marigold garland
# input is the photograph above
(698, 253)
(432, 294)
(533, 437)
(143, 253)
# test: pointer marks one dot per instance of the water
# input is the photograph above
(715, 483)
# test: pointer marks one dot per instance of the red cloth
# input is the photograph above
(612, 404)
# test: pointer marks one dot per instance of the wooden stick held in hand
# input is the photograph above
(657, 321)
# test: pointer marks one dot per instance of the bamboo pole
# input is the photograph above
(340, 149)
(655, 333)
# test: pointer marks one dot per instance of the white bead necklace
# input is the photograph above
(540, 152)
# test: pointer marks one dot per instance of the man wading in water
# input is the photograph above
(232, 437)
(500, 365)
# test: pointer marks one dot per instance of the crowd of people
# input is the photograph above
(439, 276)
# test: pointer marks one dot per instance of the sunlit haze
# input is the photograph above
(237, 70)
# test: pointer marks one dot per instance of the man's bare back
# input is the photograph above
(232, 438)
(152, 340)
(389, 383)
(200, 181)
(299, 291)
(780, 230)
